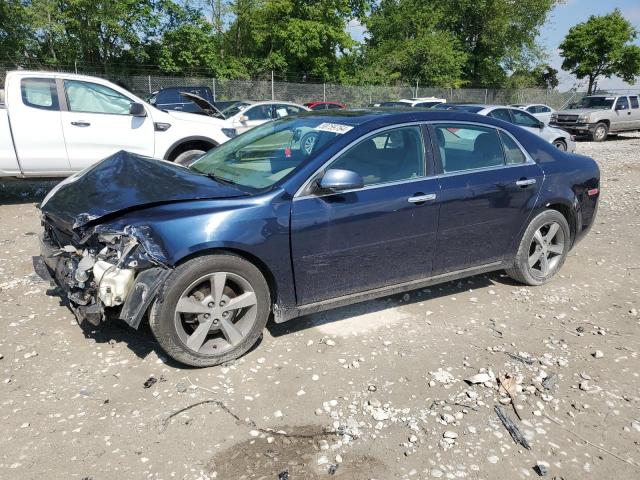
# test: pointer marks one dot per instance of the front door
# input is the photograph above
(98, 124)
(488, 189)
(623, 119)
(253, 116)
(379, 235)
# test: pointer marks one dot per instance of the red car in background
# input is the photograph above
(325, 105)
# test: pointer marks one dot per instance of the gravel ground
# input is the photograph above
(372, 391)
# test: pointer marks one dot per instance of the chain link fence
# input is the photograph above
(351, 95)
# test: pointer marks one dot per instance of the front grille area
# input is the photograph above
(567, 118)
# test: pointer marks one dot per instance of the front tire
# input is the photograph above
(543, 249)
(211, 310)
(600, 133)
(560, 145)
(190, 156)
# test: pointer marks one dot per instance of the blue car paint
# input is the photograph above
(315, 248)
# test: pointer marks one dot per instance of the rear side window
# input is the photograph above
(500, 114)
(40, 93)
(513, 154)
(260, 112)
(464, 147)
(634, 102)
(333, 106)
(543, 109)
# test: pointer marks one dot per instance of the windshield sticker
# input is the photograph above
(610, 98)
(334, 128)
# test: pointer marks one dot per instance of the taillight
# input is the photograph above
(593, 191)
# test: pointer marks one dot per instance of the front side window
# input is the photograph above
(634, 102)
(524, 119)
(93, 98)
(259, 112)
(500, 114)
(39, 93)
(532, 109)
(390, 156)
(622, 104)
(266, 154)
(543, 109)
(466, 147)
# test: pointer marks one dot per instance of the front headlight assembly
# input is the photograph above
(583, 118)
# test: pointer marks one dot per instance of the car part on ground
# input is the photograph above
(261, 224)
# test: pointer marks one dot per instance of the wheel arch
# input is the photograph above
(249, 257)
(194, 142)
(568, 212)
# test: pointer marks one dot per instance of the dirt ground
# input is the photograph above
(372, 391)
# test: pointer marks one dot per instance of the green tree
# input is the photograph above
(405, 44)
(541, 76)
(602, 46)
(15, 29)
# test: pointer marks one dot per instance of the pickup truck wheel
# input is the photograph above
(543, 249)
(600, 132)
(211, 310)
(560, 144)
(188, 157)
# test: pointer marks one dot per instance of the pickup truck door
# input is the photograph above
(635, 111)
(97, 124)
(621, 120)
(34, 106)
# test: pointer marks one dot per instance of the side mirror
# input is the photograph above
(337, 179)
(243, 118)
(621, 107)
(541, 125)
(137, 110)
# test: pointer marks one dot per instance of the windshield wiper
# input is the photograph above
(220, 179)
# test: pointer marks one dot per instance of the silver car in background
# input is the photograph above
(540, 111)
(556, 136)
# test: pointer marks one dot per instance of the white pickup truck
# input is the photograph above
(55, 124)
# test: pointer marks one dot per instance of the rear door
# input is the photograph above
(34, 113)
(97, 124)
(635, 111)
(376, 236)
(488, 189)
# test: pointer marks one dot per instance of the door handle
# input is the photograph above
(80, 123)
(524, 182)
(422, 198)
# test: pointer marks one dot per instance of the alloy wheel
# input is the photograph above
(600, 132)
(215, 313)
(546, 249)
(309, 143)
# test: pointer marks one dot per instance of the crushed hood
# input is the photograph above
(126, 181)
(205, 105)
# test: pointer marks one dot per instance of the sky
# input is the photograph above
(561, 19)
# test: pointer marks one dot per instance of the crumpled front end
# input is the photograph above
(104, 272)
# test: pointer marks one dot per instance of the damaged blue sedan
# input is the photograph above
(308, 213)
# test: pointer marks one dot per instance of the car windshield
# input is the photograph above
(266, 154)
(596, 102)
(231, 110)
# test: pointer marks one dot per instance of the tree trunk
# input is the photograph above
(590, 88)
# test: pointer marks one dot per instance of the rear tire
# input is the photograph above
(543, 249)
(211, 310)
(600, 133)
(187, 158)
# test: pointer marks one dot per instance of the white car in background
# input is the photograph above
(559, 138)
(55, 124)
(245, 115)
(418, 102)
(540, 111)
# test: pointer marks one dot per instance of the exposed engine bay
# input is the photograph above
(104, 271)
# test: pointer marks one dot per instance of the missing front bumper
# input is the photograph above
(51, 266)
